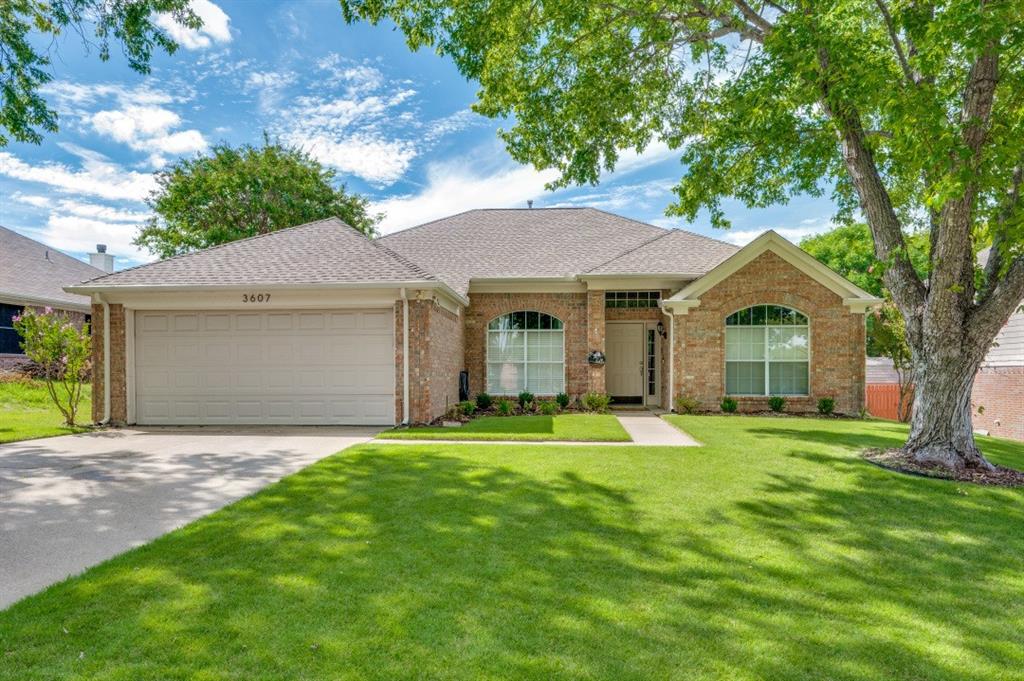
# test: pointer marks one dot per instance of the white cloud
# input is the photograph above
(804, 229)
(216, 26)
(270, 86)
(487, 178)
(82, 209)
(374, 159)
(454, 187)
(81, 234)
(148, 129)
(98, 176)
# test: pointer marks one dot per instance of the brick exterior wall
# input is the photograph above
(436, 356)
(572, 308)
(837, 337)
(118, 394)
(997, 401)
(595, 339)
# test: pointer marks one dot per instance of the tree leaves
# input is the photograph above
(238, 192)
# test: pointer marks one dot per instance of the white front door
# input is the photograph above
(281, 367)
(624, 366)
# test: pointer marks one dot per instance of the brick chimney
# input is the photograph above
(102, 259)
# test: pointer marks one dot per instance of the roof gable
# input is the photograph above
(32, 272)
(854, 297)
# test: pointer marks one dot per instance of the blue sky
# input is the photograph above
(396, 125)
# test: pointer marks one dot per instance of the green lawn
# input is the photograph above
(27, 412)
(772, 552)
(582, 427)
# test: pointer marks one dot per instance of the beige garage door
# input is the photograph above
(304, 367)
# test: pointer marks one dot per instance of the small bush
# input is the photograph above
(548, 408)
(61, 350)
(729, 405)
(597, 402)
(484, 401)
(686, 404)
(526, 398)
(776, 403)
(826, 405)
(563, 400)
(467, 408)
(505, 407)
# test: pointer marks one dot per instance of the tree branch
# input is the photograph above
(987, 318)
(894, 37)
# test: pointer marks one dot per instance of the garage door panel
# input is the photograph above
(309, 367)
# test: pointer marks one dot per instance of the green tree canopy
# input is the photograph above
(24, 67)
(849, 250)
(910, 112)
(238, 192)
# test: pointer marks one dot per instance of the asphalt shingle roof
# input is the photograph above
(673, 252)
(32, 271)
(518, 242)
(322, 252)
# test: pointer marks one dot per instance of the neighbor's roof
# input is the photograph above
(544, 242)
(672, 252)
(32, 272)
(317, 253)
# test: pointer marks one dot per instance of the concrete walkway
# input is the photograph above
(69, 502)
(649, 429)
(646, 428)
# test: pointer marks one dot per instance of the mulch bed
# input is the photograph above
(899, 461)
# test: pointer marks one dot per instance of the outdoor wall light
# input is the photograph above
(661, 330)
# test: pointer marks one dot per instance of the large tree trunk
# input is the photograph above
(941, 431)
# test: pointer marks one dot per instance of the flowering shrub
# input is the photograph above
(61, 351)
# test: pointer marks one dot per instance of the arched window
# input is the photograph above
(767, 348)
(525, 351)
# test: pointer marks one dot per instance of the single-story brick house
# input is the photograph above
(33, 275)
(320, 324)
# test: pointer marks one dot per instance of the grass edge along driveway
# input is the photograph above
(771, 552)
(27, 412)
(566, 427)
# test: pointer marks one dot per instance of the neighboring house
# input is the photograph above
(319, 324)
(34, 275)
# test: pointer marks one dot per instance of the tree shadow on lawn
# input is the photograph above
(886, 436)
(378, 564)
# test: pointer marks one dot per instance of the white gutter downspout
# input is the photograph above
(106, 360)
(671, 357)
(405, 358)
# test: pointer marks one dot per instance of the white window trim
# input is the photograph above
(768, 360)
(526, 363)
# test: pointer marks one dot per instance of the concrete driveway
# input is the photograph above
(69, 502)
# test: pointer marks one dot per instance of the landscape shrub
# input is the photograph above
(467, 407)
(563, 400)
(548, 408)
(61, 350)
(776, 403)
(686, 404)
(729, 405)
(597, 402)
(526, 399)
(484, 401)
(506, 407)
(826, 405)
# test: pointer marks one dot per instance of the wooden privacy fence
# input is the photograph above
(883, 400)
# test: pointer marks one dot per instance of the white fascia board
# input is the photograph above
(853, 296)
(135, 289)
(648, 282)
(18, 299)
